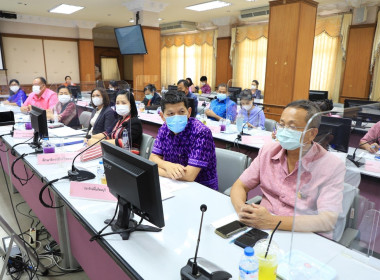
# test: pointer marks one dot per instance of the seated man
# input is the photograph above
(373, 139)
(184, 148)
(222, 107)
(183, 85)
(152, 99)
(275, 169)
(205, 87)
(41, 96)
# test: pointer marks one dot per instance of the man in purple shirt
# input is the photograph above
(184, 148)
(41, 96)
(205, 88)
(276, 170)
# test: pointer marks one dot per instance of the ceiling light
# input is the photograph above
(65, 9)
(131, 20)
(208, 6)
(159, 19)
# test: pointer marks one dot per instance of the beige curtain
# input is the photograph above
(190, 55)
(110, 69)
(375, 62)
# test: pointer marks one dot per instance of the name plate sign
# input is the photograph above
(55, 158)
(23, 133)
(91, 191)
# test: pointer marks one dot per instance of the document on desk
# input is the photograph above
(170, 186)
(65, 132)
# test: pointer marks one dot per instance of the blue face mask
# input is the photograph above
(289, 139)
(176, 123)
(221, 96)
(148, 96)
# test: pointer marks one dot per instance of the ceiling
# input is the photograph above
(115, 13)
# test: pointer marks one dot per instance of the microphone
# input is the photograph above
(352, 158)
(77, 174)
(206, 270)
(241, 132)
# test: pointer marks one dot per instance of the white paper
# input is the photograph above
(170, 186)
(65, 132)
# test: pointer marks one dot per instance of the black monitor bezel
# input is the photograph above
(142, 33)
(322, 95)
(39, 121)
(344, 125)
(7, 118)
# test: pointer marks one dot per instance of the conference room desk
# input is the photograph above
(161, 255)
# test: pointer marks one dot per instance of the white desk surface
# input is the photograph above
(363, 155)
(161, 255)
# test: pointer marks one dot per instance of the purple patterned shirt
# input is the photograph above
(193, 146)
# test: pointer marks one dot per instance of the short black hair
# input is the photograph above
(311, 108)
(256, 82)
(42, 79)
(113, 83)
(150, 87)
(325, 105)
(173, 97)
(190, 81)
(61, 87)
(222, 85)
(185, 83)
(15, 81)
(203, 78)
(131, 100)
(246, 95)
(67, 77)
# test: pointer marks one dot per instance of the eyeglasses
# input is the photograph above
(291, 127)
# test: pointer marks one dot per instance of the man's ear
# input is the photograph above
(189, 112)
(162, 116)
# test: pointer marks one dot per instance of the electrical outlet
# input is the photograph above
(33, 237)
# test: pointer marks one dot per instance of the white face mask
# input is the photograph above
(203, 84)
(97, 101)
(36, 89)
(247, 107)
(123, 110)
(14, 88)
(64, 98)
(253, 86)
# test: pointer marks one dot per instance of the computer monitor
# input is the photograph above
(191, 103)
(362, 111)
(131, 39)
(334, 132)
(75, 91)
(112, 96)
(172, 87)
(7, 118)
(134, 181)
(39, 124)
(315, 95)
(234, 93)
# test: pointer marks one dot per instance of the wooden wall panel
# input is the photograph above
(86, 60)
(110, 52)
(223, 62)
(357, 78)
(147, 68)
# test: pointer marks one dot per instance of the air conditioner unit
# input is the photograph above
(255, 12)
(178, 26)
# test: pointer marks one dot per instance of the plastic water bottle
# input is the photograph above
(100, 172)
(125, 140)
(248, 266)
(55, 115)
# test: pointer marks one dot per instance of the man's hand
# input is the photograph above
(6, 102)
(26, 108)
(174, 170)
(257, 216)
(372, 148)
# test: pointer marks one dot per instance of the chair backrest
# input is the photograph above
(84, 119)
(146, 145)
(269, 124)
(230, 165)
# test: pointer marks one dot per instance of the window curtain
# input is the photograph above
(110, 69)
(325, 54)
(248, 55)
(190, 55)
(375, 63)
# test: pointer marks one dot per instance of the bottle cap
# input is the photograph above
(100, 162)
(248, 251)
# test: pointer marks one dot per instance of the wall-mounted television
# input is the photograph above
(131, 40)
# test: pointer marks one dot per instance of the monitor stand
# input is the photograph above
(36, 144)
(124, 221)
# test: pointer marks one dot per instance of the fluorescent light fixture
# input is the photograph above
(131, 20)
(208, 6)
(65, 9)
(159, 19)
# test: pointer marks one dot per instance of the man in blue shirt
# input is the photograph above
(222, 107)
(183, 85)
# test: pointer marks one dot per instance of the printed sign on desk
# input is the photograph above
(82, 103)
(257, 139)
(55, 158)
(91, 191)
(23, 133)
(372, 166)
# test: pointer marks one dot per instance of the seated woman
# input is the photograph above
(152, 99)
(127, 111)
(256, 93)
(103, 118)
(16, 95)
(65, 108)
(191, 85)
(253, 115)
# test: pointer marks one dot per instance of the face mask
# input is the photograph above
(36, 89)
(148, 96)
(247, 107)
(221, 96)
(203, 84)
(111, 88)
(14, 88)
(122, 110)
(253, 86)
(289, 139)
(97, 101)
(176, 123)
(64, 98)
